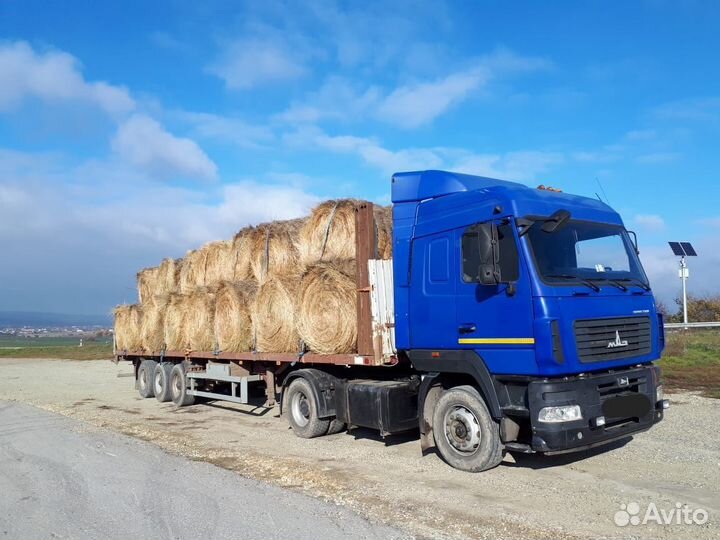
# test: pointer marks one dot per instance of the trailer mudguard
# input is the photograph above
(465, 362)
(323, 385)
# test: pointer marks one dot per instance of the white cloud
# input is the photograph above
(144, 143)
(522, 165)
(657, 157)
(693, 109)
(650, 222)
(53, 76)
(253, 62)
(226, 129)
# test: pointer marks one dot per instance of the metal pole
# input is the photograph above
(683, 273)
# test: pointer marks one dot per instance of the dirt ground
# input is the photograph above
(574, 496)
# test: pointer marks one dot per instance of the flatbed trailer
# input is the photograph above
(465, 335)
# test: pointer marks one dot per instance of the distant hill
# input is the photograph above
(37, 319)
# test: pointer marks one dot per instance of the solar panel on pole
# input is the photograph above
(688, 249)
(677, 249)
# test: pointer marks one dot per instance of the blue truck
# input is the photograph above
(510, 319)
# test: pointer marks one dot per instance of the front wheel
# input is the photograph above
(466, 436)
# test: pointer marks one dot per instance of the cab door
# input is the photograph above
(495, 320)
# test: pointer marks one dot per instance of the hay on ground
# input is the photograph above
(273, 248)
(199, 319)
(219, 262)
(193, 271)
(128, 322)
(241, 253)
(233, 316)
(147, 280)
(174, 322)
(326, 308)
(152, 329)
(168, 276)
(274, 314)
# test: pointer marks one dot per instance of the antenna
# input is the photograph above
(602, 189)
(682, 250)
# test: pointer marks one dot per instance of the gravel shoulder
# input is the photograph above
(388, 481)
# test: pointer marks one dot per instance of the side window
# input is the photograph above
(479, 254)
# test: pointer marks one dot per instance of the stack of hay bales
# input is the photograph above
(283, 286)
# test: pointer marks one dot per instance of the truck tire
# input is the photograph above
(336, 426)
(466, 436)
(145, 376)
(178, 387)
(161, 382)
(302, 410)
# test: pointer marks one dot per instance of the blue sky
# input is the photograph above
(137, 131)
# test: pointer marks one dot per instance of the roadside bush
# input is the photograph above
(700, 309)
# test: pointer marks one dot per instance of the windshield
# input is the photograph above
(583, 250)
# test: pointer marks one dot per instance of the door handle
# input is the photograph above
(467, 328)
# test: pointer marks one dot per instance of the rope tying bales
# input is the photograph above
(273, 248)
(326, 304)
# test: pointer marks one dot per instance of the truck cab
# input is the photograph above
(537, 299)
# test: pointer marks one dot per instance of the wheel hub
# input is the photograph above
(300, 409)
(462, 429)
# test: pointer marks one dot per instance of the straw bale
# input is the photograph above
(233, 316)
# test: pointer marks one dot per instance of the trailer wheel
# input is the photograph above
(145, 375)
(466, 436)
(302, 409)
(161, 382)
(336, 426)
(178, 387)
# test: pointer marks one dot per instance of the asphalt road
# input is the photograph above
(61, 478)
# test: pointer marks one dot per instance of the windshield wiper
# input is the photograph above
(581, 280)
(635, 281)
(614, 282)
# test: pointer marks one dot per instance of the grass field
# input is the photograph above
(54, 347)
(692, 361)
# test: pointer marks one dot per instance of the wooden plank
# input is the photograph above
(364, 251)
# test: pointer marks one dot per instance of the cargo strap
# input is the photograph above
(327, 229)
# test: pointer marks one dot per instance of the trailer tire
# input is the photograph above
(336, 426)
(161, 382)
(466, 435)
(302, 410)
(178, 387)
(145, 377)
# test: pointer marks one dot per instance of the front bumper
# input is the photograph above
(626, 399)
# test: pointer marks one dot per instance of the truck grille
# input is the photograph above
(599, 340)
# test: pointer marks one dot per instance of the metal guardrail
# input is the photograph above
(675, 325)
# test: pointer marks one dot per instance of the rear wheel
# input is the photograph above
(161, 382)
(465, 434)
(178, 387)
(145, 376)
(302, 411)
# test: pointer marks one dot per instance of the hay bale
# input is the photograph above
(152, 329)
(219, 262)
(193, 271)
(233, 316)
(326, 308)
(199, 319)
(383, 223)
(241, 253)
(273, 248)
(168, 277)
(174, 322)
(147, 283)
(273, 314)
(128, 322)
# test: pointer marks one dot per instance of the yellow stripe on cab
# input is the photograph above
(497, 341)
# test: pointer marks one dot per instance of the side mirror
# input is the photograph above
(488, 271)
(487, 274)
(634, 241)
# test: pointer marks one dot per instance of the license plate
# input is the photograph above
(635, 405)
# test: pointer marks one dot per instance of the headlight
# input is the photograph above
(566, 413)
(659, 393)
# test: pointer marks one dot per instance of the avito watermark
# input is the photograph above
(680, 514)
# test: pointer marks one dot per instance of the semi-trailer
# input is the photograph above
(510, 319)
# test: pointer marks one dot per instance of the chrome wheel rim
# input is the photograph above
(300, 409)
(158, 382)
(462, 430)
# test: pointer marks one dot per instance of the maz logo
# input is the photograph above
(618, 342)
